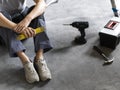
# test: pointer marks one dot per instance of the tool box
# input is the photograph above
(110, 34)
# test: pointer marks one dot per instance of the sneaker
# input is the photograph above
(42, 70)
(30, 73)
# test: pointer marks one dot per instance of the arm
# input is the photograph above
(37, 10)
(4, 22)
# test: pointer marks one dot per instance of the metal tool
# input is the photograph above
(107, 59)
(81, 26)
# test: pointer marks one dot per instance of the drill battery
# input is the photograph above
(110, 34)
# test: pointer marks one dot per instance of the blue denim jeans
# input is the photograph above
(41, 40)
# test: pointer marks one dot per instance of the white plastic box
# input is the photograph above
(110, 34)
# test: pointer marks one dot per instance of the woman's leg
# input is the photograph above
(23, 57)
(39, 54)
(16, 48)
(42, 44)
(41, 66)
(41, 40)
(30, 72)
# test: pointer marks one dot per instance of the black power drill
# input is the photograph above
(81, 26)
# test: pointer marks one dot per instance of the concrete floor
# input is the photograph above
(73, 67)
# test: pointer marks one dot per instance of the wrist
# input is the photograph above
(13, 26)
(29, 18)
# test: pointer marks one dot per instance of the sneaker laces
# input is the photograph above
(43, 65)
(29, 69)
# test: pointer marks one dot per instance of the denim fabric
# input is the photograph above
(41, 40)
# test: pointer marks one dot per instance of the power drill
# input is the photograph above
(81, 26)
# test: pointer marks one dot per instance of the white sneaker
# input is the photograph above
(30, 73)
(43, 70)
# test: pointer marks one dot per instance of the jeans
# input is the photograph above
(41, 40)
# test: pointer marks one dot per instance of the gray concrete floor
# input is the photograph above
(73, 67)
